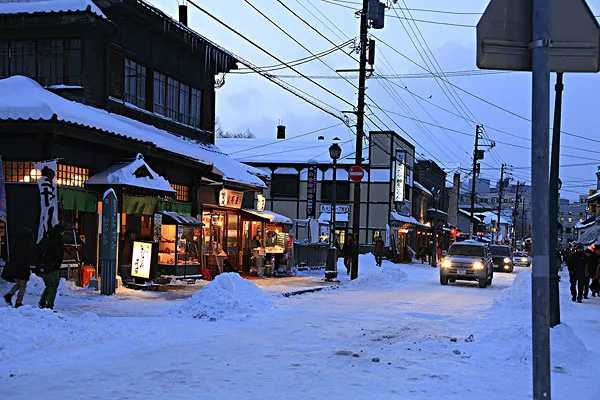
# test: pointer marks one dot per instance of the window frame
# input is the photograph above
(279, 180)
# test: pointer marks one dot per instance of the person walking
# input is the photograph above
(591, 267)
(348, 251)
(52, 253)
(577, 264)
(18, 268)
(379, 251)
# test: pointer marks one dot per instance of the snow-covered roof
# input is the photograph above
(48, 6)
(182, 219)
(583, 225)
(490, 217)
(136, 173)
(468, 214)
(594, 196)
(294, 150)
(590, 236)
(24, 99)
(397, 217)
(422, 188)
(271, 216)
(436, 210)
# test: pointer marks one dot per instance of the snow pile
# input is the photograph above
(510, 337)
(370, 276)
(228, 295)
(35, 287)
(26, 329)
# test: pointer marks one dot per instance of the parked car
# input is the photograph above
(502, 258)
(468, 261)
(521, 259)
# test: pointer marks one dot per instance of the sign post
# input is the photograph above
(539, 36)
(110, 239)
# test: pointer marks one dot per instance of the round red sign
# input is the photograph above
(356, 173)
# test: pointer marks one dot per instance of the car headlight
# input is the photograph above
(446, 264)
(478, 265)
(506, 260)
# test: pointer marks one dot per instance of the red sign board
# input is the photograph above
(356, 173)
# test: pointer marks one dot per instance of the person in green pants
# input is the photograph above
(51, 257)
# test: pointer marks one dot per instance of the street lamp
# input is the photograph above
(335, 152)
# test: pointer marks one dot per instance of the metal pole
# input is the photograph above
(473, 181)
(433, 260)
(515, 217)
(500, 189)
(540, 217)
(554, 196)
(360, 119)
(334, 205)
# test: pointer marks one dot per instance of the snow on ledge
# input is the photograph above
(48, 6)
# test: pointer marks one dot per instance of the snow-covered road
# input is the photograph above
(398, 334)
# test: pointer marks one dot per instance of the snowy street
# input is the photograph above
(392, 334)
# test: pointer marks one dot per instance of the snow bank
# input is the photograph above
(508, 327)
(228, 295)
(28, 328)
(373, 277)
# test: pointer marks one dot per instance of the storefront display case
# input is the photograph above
(179, 252)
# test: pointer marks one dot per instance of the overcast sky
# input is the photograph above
(252, 102)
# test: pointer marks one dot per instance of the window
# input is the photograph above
(182, 192)
(172, 99)
(284, 186)
(342, 191)
(25, 172)
(22, 58)
(196, 108)
(176, 100)
(184, 104)
(50, 61)
(160, 93)
(135, 83)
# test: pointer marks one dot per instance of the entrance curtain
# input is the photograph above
(139, 205)
(175, 206)
(77, 200)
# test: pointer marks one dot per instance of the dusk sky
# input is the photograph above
(249, 101)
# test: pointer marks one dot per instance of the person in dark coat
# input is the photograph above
(348, 251)
(379, 251)
(18, 269)
(52, 253)
(577, 264)
(591, 266)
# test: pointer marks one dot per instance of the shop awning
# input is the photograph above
(179, 219)
(270, 216)
(176, 206)
(404, 219)
(136, 173)
(139, 205)
(77, 200)
(339, 217)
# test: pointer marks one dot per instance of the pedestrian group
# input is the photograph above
(44, 259)
(584, 272)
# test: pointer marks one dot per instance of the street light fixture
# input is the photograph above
(335, 152)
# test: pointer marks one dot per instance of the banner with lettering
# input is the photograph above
(48, 197)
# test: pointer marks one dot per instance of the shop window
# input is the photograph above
(25, 172)
(284, 186)
(135, 83)
(182, 192)
(342, 191)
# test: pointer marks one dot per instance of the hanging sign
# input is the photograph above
(140, 260)
(399, 183)
(3, 219)
(230, 198)
(48, 197)
(157, 227)
(261, 201)
(311, 192)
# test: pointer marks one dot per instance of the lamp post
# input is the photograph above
(335, 152)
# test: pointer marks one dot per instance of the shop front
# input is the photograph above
(404, 238)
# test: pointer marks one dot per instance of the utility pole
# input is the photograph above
(523, 219)
(360, 120)
(500, 190)
(515, 216)
(476, 156)
(553, 206)
(540, 166)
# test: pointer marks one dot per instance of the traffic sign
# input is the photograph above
(504, 35)
(356, 173)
